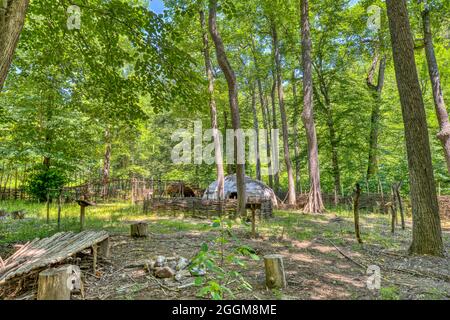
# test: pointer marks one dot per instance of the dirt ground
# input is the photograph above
(316, 268)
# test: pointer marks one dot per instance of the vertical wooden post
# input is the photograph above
(82, 217)
(400, 204)
(59, 210)
(94, 250)
(48, 207)
(253, 208)
(382, 195)
(356, 212)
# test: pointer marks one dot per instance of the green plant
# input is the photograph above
(389, 293)
(214, 264)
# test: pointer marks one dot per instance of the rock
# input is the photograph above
(182, 274)
(198, 271)
(164, 272)
(181, 264)
(160, 261)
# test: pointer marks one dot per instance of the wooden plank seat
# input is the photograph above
(43, 253)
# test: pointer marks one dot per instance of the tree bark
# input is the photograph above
(372, 166)
(291, 198)
(213, 110)
(314, 203)
(438, 96)
(233, 100)
(427, 236)
(12, 18)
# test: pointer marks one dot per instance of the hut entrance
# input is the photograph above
(233, 195)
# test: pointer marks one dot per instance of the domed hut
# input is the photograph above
(255, 190)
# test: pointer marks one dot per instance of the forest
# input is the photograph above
(223, 149)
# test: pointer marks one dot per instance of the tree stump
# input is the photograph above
(139, 229)
(275, 276)
(104, 248)
(58, 283)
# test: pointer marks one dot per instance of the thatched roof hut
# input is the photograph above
(255, 190)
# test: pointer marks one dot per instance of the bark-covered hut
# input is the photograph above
(254, 190)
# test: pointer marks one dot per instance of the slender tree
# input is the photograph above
(230, 76)
(274, 160)
(377, 89)
(315, 203)
(264, 111)
(256, 128)
(213, 110)
(12, 17)
(427, 237)
(291, 198)
(438, 96)
(298, 183)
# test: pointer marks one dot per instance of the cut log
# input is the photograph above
(275, 276)
(139, 229)
(58, 283)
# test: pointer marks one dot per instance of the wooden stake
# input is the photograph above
(94, 260)
(356, 212)
(253, 208)
(48, 208)
(275, 276)
(82, 217)
(393, 218)
(59, 211)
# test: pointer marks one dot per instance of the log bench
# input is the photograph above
(40, 254)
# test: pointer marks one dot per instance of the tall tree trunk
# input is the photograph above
(12, 18)
(213, 110)
(426, 237)
(264, 111)
(372, 166)
(276, 174)
(233, 98)
(298, 182)
(256, 128)
(291, 198)
(438, 96)
(315, 203)
(106, 172)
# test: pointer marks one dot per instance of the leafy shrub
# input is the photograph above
(45, 180)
